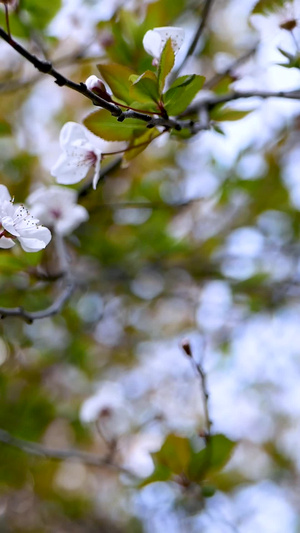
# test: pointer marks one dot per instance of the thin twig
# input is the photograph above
(186, 346)
(206, 10)
(34, 448)
(53, 309)
(46, 67)
(228, 71)
(211, 102)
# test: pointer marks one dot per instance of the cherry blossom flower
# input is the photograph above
(109, 409)
(155, 40)
(56, 207)
(79, 155)
(17, 223)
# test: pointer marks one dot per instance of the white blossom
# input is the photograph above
(79, 155)
(56, 207)
(155, 40)
(108, 407)
(17, 223)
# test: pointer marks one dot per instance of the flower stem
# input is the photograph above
(133, 147)
(138, 110)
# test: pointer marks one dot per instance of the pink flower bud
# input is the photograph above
(97, 86)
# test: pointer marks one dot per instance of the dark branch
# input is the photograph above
(60, 455)
(53, 309)
(211, 102)
(186, 346)
(199, 31)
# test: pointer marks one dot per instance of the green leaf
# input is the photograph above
(117, 77)
(161, 473)
(166, 63)
(5, 128)
(104, 125)
(33, 14)
(213, 457)
(41, 13)
(141, 143)
(264, 7)
(181, 93)
(145, 89)
(222, 114)
(174, 454)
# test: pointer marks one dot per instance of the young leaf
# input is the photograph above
(267, 6)
(140, 144)
(104, 125)
(166, 63)
(117, 77)
(175, 454)
(222, 114)
(216, 454)
(144, 89)
(181, 93)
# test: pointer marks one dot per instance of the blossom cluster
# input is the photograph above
(56, 206)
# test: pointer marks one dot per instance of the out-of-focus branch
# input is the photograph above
(210, 102)
(230, 69)
(33, 448)
(205, 13)
(53, 309)
(186, 346)
(68, 286)
(47, 68)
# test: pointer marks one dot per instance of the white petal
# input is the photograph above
(4, 194)
(176, 35)
(92, 82)
(70, 133)
(6, 243)
(8, 225)
(66, 171)
(71, 220)
(97, 172)
(39, 240)
(152, 43)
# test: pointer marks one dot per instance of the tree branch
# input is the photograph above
(228, 71)
(53, 309)
(47, 68)
(213, 101)
(33, 448)
(206, 10)
(186, 346)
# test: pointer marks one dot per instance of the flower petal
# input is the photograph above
(69, 170)
(176, 35)
(4, 194)
(97, 172)
(70, 133)
(71, 220)
(9, 226)
(39, 239)
(152, 43)
(6, 243)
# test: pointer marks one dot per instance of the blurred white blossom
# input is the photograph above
(79, 155)
(56, 207)
(16, 222)
(108, 408)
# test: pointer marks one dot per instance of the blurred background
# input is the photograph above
(193, 239)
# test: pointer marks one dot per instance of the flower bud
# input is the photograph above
(97, 86)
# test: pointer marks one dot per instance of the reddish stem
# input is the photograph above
(138, 110)
(133, 147)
